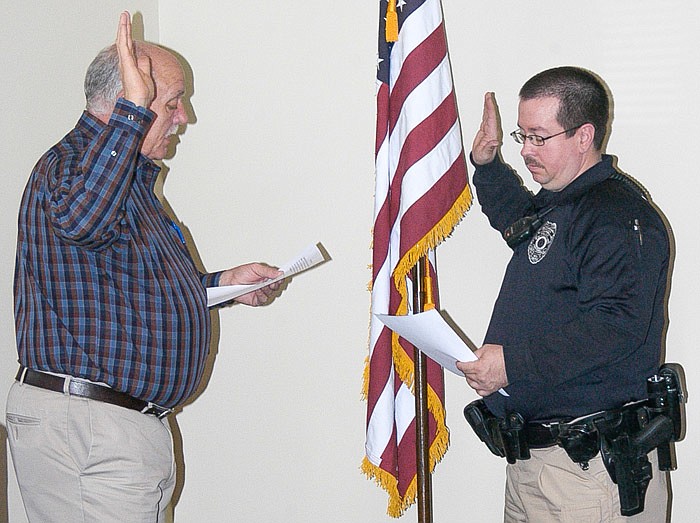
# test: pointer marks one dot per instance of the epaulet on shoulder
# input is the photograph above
(631, 183)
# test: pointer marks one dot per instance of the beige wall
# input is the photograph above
(281, 156)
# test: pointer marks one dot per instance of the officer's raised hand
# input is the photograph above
(489, 137)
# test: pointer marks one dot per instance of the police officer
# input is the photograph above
(578, 324)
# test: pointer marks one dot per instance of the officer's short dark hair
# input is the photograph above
(583, 98)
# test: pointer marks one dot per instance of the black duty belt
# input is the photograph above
(623, 436)
(85, 389)
(542, 435)
(550, 433)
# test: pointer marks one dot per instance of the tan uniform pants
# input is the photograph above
(549, 487)
(82, 460)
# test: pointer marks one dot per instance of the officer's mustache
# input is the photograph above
(531, 162)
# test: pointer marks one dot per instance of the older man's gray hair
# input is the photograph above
(103, 82)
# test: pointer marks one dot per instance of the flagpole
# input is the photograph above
(422, 300)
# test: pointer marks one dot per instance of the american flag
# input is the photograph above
(421, 193)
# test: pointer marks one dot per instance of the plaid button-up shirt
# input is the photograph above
(105, 288)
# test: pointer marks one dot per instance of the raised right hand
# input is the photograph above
(137, 82)
(489, 137)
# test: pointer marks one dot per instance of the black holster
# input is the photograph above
(505, 437)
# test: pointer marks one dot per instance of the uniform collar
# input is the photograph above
(594, 175)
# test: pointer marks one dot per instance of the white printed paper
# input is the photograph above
(309, 257)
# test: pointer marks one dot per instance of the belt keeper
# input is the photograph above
(24, 375)
(66, 386)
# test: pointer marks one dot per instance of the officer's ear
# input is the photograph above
(586, 136)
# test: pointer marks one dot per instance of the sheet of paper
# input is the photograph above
(308, 258)
(433, 336)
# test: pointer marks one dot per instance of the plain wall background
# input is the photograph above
(281, 155)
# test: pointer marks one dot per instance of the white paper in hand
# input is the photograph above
(309, 257)
(433, 336)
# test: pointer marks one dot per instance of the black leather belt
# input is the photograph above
(92, 391)
(542, 435)
(548, 434)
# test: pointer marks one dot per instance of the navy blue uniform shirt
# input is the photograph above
(581, 310)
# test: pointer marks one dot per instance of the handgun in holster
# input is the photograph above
(656, 424)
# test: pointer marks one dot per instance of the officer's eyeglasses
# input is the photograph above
(535, 139)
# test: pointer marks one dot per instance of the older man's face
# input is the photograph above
(167, 104)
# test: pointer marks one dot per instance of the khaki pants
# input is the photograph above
(82, 460)
(549, 487)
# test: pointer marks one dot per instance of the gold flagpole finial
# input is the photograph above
(392, 22)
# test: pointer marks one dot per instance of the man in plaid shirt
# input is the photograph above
(111, 312)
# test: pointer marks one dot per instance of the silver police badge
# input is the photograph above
(541, 242)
